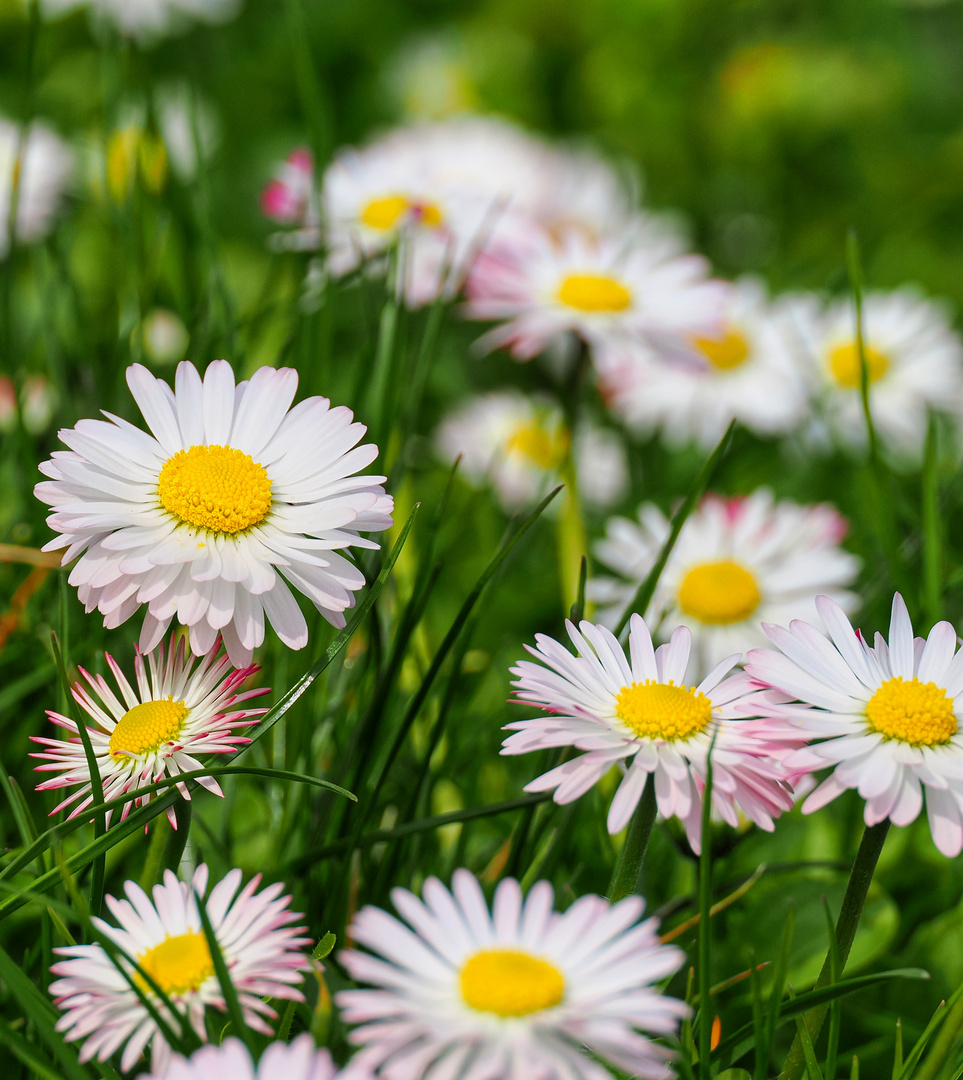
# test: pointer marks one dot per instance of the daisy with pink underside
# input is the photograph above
(165, 936)
(181, 707)
(616, 708)
(297, 1060)
(289, 199)
(519, 993)
(885, 717)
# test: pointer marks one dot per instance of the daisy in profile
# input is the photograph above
(518, 993)
(298, 1060)
(147, 21)
(737, 561)
(640, 708)
(884, 717)
(289, 199)
(231, 496)
(46, 167)
(181, 707)
(164, 935)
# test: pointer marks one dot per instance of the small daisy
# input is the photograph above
(887, 716)
(147, 21)
(517, 994)
(46, 166)
(290, 200)
(180, 708)
(298, 1060)
(261, 947)
(641, 708)
(203, 519)
(737, 561)
(747, 371)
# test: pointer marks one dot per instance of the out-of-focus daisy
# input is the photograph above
(745, 371)
(44, 174)
(886, 716)
(641, 708)
(297, 1060)
(164, 336)
(518, 444)
(736, 562)
(147, 21)
(200, 519)
(518, 993)
(254, 931)
(181, 707)
(290, 200)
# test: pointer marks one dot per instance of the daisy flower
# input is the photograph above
(46, 166)
(254, 931)
(517, 994)
(289, 199)
(641, 708)
(181, 707)
(885, 716)
(205, 519)
(147, 21)
(297, 1060)
(737, 561)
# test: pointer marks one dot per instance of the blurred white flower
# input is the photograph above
(165, 337)
(44, 175)
(298, 1060)
(147, 21)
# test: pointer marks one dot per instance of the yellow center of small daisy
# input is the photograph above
(146, 727)
(655, 710)
(508, 982)
(179, 964)
(593, 292)
(724, 353)
(719, 593)
(388, 212)
(914, 712)
(844, 364)
(216, 488)
(537, 445)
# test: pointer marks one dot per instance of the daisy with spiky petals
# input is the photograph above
(737, 561)
(181, 707)
(254, 931)
(203, 519)
(641, 708)
(297, 1060)
(516, 994)
(886, 716)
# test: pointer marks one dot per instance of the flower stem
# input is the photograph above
(625, 880)
(860, 878)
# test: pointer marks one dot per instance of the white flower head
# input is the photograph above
(164, 934)
(289, 199)
(512, 994)
(885, 716)
(147, 21)
(46, 167)
(298, 1060)
(736, 562)
(616, 708)
(232, 495)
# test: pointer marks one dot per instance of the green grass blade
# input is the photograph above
(228, 989)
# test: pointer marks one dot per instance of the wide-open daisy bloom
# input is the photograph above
(45, 170)
(745, 371)
(640, 707)
(517, 994)
(886, 715)
(232, 495)
(290, 200)
(736, 562)
(261, 948)
(147, 21)
(297, 1060)
(181, 707)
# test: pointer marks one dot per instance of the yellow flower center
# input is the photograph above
(179, 964)
(725, 353)
(844, 364)
(507, 982)
(537, 445)
(216, 488)
(719, 593)
(388, 213)
(916, 713)
(146, 727)
(655, 710)
(593, 292)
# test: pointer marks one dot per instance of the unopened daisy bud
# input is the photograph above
(8, 404)
(165, 337)
(38, 400)
(297, 1060)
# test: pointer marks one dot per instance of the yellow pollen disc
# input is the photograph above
(216, 488)
(593, 292)
(510, 983)
(719, 593)
(725, 353)
(844, 364)
(387, 213)
(916, 713)
(179, 964)
(537, 445)
(146, 727)
(655, 710)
